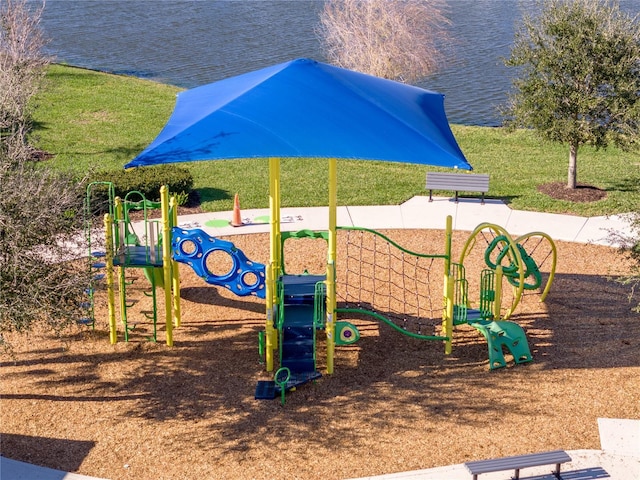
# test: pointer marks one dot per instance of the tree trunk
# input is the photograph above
(573, 167)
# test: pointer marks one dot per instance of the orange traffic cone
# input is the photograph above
(236, 220)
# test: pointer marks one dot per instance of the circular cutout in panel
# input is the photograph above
(219, 263)
(250, 279)
(188, 247)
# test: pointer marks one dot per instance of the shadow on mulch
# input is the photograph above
(593, 325)
(70, 453)
(207, 295)
(390, 395)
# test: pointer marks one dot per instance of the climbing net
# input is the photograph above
(376, 276)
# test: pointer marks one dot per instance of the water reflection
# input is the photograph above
(190, 43)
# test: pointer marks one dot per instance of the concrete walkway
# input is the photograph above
(420, 213)
(14, 470)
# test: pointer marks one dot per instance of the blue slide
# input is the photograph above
(297, 336)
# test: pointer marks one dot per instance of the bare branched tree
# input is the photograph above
(22, 69)
(394, 39)
(40, 211)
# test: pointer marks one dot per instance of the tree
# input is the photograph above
(22, 68)
(394, 39)
(579, 77)
(40, 211)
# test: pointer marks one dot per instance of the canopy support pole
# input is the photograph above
(274, 268)
(330, 326)
(166, 263)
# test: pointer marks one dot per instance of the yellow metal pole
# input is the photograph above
(274, 203)
(273, 236)
(270, 331)
(274, 268)
(175, 272)
(166, 262)
(447, 320)
(497, 302)
(108, 234)
(118, 212)
(278, 254)
(331, 262)
(120, 232)
(448, 234)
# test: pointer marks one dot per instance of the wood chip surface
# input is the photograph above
(141, 410)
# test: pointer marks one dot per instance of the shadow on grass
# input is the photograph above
(507, 199)
(209, 194)
(626, 185)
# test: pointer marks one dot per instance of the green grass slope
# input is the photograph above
(92, 120)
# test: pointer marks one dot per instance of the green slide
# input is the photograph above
(500, 334)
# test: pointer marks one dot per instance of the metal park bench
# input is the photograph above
(458, 182)
(517, 462)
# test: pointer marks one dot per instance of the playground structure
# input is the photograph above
(402, 288)
(123, 248)
(307, 109)
(505, 259)
(519, 262)
(425, 296)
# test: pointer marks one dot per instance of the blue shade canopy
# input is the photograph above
(305, 108)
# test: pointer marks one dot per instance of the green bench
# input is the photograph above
(518, 462)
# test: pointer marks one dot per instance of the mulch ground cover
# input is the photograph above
(142, 410)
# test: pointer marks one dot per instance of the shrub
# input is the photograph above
(147, 181)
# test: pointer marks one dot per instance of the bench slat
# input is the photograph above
(517, 462)
(458, 181)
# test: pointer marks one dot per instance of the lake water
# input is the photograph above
(191, 43)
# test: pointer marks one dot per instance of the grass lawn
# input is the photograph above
(89, 119)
